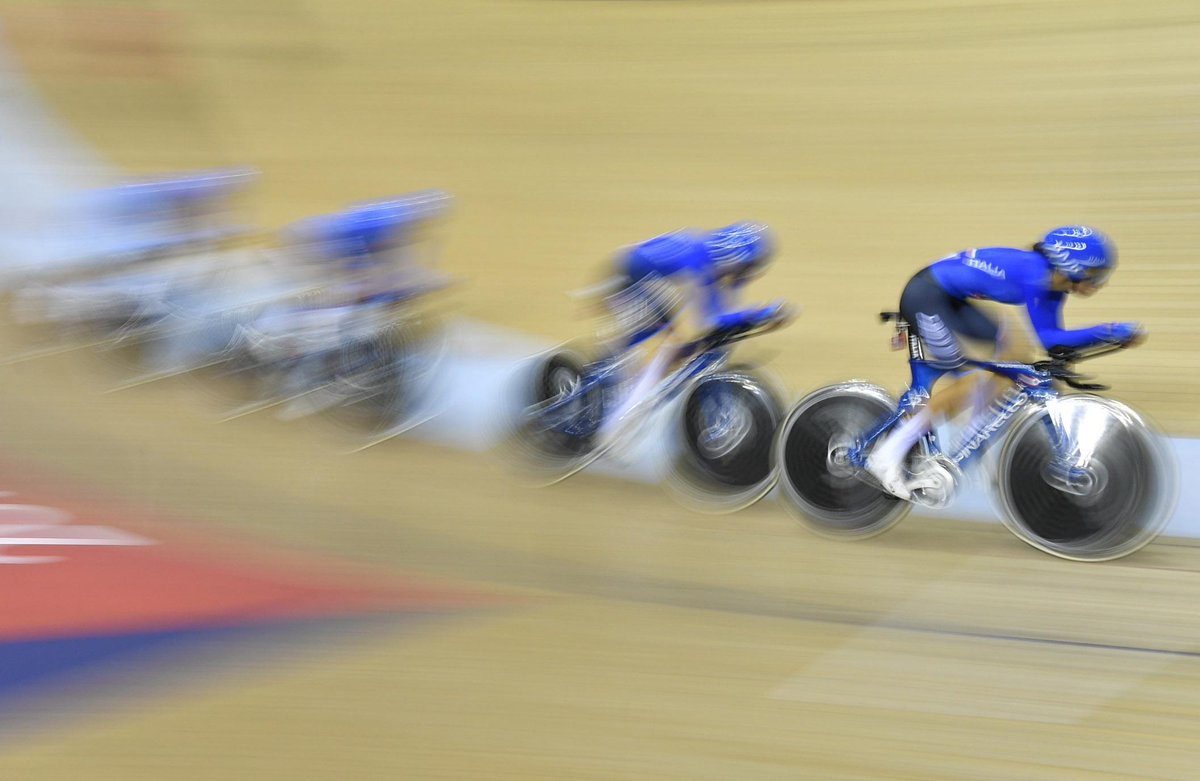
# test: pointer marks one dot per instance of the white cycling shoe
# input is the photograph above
(894, 478)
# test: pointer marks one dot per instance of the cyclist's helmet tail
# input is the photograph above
(740, 251)
(155, 197)
(407, 209)
(370, 226)
(1079, 253)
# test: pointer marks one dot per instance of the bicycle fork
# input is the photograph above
(1069, 469)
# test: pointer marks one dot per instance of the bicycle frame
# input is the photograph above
(668, 388)
(706, 354)
(1030, 385)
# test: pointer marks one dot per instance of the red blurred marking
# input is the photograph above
(182, 580)
(94, 41)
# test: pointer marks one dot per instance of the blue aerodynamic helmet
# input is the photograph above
(366, 227)
(741, 250)
(1080, 253)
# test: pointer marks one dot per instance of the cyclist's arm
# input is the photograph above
(711, 300)
(1045, 314)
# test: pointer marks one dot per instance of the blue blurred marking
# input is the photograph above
(50, 684)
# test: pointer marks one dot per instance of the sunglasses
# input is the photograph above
(1096, 276)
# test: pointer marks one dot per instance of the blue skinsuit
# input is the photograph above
(1014, 276)
(682, 256)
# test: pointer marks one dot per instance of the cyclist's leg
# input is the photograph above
(886, 461)
(661, 351)
(638, 310)
(1014, 343)
(984, 337)
(937, 319)
(643, 311)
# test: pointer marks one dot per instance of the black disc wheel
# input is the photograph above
(811, 448)
(1110, 497)
(727, 425)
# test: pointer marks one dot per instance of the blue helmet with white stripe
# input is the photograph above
(741, 250)
(1079, 253)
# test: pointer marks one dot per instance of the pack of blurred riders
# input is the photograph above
(336, 317)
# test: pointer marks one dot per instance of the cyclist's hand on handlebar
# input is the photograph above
(742, 320)
(783, 312)
(777, 313)
(1127, 334)
(731, 324)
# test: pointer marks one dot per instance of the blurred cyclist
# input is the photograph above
(365, 253)
(936, 303)
(658, 279)
(136, 247)
(363, 262)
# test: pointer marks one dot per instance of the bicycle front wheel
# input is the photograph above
(1121, 491)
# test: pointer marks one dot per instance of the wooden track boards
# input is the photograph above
(646, 641)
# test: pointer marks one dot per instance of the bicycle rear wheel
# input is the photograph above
(552, 438)
(824, 489)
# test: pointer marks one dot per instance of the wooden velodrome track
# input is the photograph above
(648, 641)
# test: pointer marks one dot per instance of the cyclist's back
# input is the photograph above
(670, 256)
(1001, 274)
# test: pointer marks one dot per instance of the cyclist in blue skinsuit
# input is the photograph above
(156, 217)
(363, 261)
(363, 242)
(937, 305)
(135, 249)
(659, 277)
